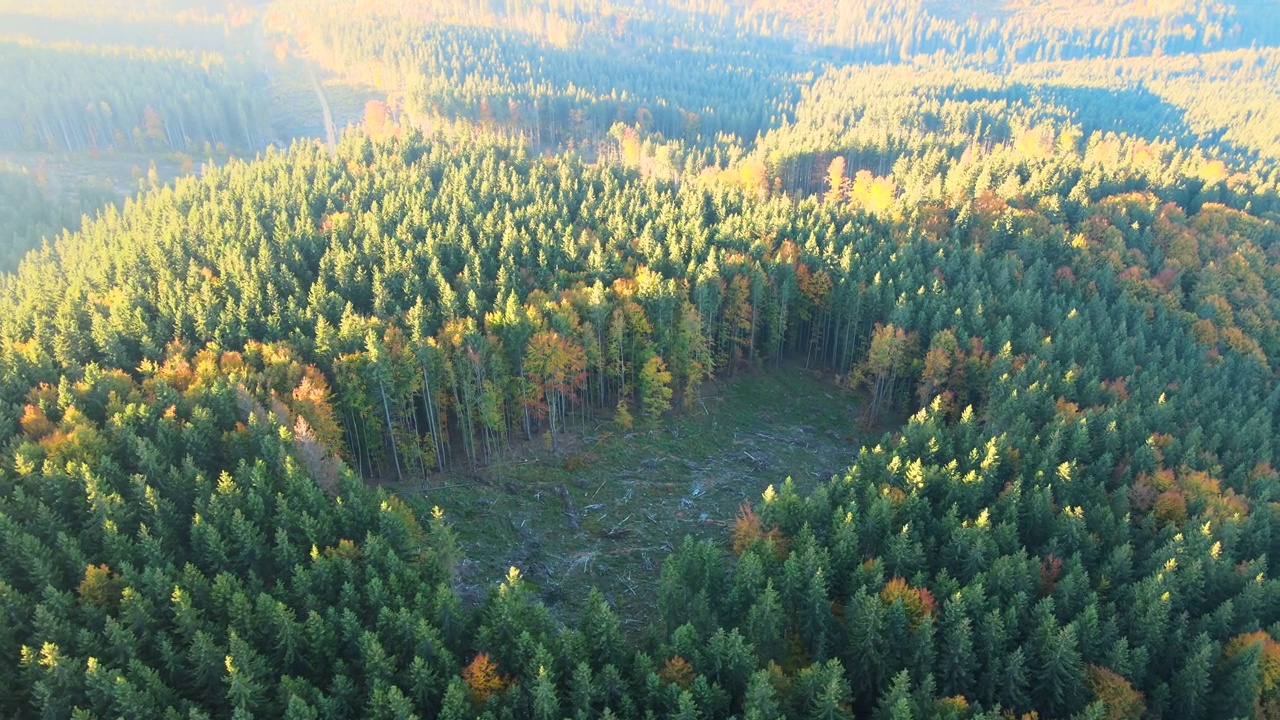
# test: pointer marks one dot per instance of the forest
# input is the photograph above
(247, 414)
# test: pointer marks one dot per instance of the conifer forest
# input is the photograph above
(640, 359)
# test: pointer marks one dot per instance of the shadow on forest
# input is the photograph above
(1134, 110)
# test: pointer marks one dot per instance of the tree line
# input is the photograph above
(72, 98)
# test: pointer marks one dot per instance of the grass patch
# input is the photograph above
(292, 105)
(611, 505)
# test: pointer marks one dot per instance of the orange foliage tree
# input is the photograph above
(677, 670)
(483, 679)
(748, 530)
(1268, 666)
(918, 602)
(1116, 694)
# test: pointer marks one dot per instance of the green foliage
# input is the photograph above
(70, 97)
(655, 389)
(1080, 312)
(555, 75)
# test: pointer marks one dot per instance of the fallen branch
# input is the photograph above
(450, 487)
(617, 532)
(786, 441)
(571, 510)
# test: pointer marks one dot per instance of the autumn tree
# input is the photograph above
(655, 389)
(836, 180)
(887, 361)
(557, 367)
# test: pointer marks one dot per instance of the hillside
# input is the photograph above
(699, 359)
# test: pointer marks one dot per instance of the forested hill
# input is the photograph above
(100, 92)
(1077, 521)
(245, 417)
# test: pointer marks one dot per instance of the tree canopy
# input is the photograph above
(1045, 253)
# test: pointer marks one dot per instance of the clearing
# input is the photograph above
(636, 494)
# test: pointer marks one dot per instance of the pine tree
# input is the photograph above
(1191, 683)
(457, 703)
(957, 663)
(546, 706)
(581, 692)
(389, 702)
(244, 677)
(601, 632)
(1015, 687)
(1240, 682)
(897, 703)
(760, 702)
(766, 625)
(832, 696)
(1060, 675)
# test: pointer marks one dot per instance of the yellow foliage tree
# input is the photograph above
(655, 388)
(873, 194)
(836, 181)
(101, 587)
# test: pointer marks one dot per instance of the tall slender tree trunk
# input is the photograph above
(432, 420)
(391, 431)
(551, 419)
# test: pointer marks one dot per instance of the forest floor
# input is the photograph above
(293, 88)
(111, 172)
(610, 522)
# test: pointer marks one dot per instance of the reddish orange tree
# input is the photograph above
(483, 679)
(918, 602)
